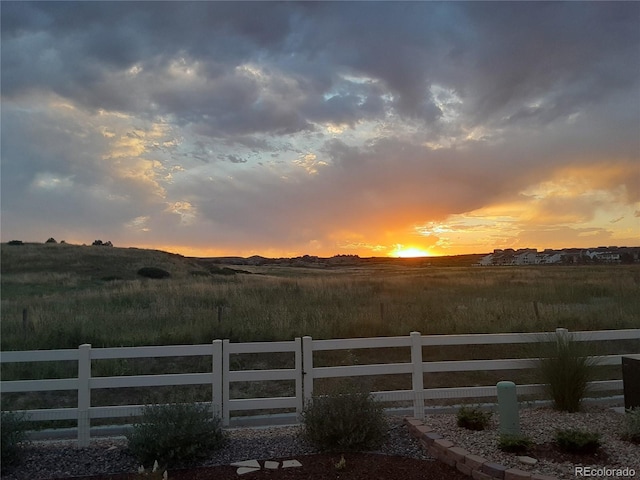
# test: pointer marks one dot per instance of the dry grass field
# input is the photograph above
(78, 294)
(91, 294)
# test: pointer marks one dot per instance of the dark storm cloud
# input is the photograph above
(495, 57)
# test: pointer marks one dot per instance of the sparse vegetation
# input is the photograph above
(578, 441)
(345, 419)
(175, 433)
(473, 418)
(514, 443)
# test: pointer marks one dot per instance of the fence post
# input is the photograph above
(84, 394)
(299, 377)
(307, 367)
(216, 387)
(417, 383)
(225, 383)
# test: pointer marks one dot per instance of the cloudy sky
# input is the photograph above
(283, 129)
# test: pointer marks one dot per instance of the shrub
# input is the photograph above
(100, 243)
(15, 242)
(346, 419)
(566, 371)
(514, 443)
(632, 425)
(472, 418)
(13, 433)
(578, 441)
(153, 272)
(51, 240)
(175, 432)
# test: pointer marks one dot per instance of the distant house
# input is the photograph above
(548, 258)
(523, 256)
(486, 260)
(575, 256)
(526, 256)
(604, 256)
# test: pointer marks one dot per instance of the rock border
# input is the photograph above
(479, 468)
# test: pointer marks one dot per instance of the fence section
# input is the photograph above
(303, 374)
(229, 376)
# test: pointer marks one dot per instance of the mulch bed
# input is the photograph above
(358, 466)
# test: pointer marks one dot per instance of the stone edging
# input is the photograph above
(437, 446)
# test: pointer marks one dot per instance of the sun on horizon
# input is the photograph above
(402, 251)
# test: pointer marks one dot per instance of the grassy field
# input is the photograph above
(88, 294)
(92, 294)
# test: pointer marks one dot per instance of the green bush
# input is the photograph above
(472, 418)
(514, 443)
(578, 441)
(566, 371)
(153, 272)
(348, 420)
(175, 433)
(632, 425)
(13, 433)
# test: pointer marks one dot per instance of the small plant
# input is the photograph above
(632, 425)
(567, 371)
(578, 441)
(153, 272)
(156, 473)
(342, 464)
(347, 419)
(514, 443)
(13, 431)
(175, 432)
(472, 418)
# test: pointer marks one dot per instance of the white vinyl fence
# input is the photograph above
(221, 375)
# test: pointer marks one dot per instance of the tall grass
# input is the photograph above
(334, 304)
(566, 369)
(71, 298)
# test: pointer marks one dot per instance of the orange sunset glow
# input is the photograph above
(409, 252)
(280, 130)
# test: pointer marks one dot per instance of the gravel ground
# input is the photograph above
(62, 459)
(540, 425)
(59, 459)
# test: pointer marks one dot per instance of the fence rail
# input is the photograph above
(303, 374)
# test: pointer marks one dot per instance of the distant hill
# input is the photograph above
(97, 262)
(309, 261)
(101, 262)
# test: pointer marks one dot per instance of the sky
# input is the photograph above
(321, 128)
